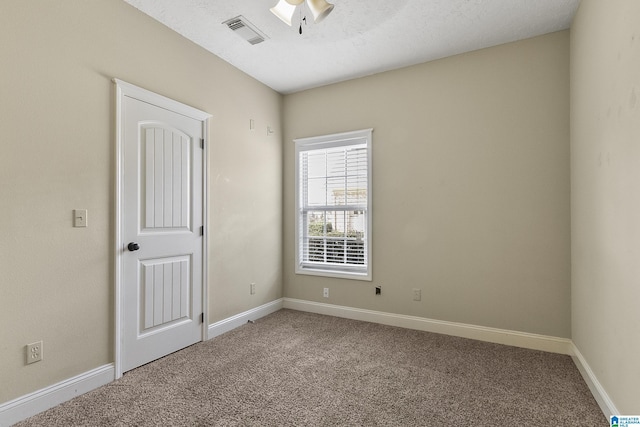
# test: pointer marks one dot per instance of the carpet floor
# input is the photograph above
(300, 369)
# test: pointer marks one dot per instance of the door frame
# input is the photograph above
(124, 89)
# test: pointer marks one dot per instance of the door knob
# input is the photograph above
(133, 246)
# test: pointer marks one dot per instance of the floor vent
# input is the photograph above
(245, 29)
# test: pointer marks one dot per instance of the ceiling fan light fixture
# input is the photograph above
(285, 9)
(320, 9)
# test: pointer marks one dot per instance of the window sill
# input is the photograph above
(352, 275)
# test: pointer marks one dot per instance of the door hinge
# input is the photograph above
(202, 230)
(202, 143)
(201, 317)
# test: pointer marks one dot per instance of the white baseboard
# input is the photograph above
(500, 336)
(31, 404)
(481, 333)
(598, 392)
(41, 400)
(240, 319)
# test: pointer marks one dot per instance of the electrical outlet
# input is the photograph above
(378, 290)
(325, 293)
(252, 288)
(34, 352)
(417, 294)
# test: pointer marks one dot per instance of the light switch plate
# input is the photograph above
(79, 217)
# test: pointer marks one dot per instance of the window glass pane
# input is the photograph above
(356, 193)
(316, 192)
(335, 251)
(336, 165)
(355, 251)
(355, 224)
(335, 191)
(316, 223)
(314, 249)
(356, 161)
(316, 163)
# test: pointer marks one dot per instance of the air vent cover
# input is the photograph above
(245, 29)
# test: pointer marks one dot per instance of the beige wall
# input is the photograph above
(470, 186)
(57, 124)
(605, 195)
(471, 183)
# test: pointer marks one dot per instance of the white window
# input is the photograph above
(333, 205)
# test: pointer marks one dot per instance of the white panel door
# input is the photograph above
(162, 215)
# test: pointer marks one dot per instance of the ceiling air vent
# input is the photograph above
(245, 29)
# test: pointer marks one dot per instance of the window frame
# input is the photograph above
(342, 139)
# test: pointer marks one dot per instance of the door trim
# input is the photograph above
(124, 89)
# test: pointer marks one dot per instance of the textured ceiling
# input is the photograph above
(359, 38)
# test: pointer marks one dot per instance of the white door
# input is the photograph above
(161, 235)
